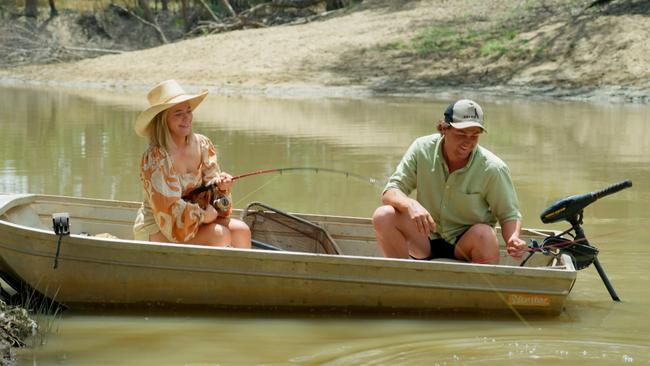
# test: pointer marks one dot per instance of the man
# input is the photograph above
(462, 190)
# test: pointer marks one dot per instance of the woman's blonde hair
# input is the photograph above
(159, 134)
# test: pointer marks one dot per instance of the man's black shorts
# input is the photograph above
(440, 248)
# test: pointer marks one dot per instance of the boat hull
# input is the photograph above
(102, 272)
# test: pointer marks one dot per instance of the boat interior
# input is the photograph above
(271, 228)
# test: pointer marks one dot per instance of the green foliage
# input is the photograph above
(467, 42)
(502, 43)
(394, 46)
(473, 36)
(440, 41)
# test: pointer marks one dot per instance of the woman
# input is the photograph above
(176, 162)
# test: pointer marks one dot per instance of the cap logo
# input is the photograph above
(468, 116)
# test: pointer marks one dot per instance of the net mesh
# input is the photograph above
(286, 231)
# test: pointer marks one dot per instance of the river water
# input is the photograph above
(81, 143)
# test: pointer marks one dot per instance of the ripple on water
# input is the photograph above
(423, 349)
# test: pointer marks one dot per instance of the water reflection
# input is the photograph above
(83, 144)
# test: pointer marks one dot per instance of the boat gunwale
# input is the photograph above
(563, 272)
(566, 267)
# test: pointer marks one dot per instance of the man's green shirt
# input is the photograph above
(480, 192)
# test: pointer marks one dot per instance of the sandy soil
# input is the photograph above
(576, 53)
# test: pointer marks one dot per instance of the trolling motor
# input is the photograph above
(578, 248)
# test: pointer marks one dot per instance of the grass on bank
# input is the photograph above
(463, 43)
(471, 36)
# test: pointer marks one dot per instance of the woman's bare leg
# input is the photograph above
(209, 234)
(223, 232)
(240, 233)
(212, 234)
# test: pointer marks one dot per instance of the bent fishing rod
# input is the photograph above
(370, 180)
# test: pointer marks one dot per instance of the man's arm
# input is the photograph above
(404, 204)
(514, 245)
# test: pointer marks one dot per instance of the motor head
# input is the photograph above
(570, 207)
(566, 208)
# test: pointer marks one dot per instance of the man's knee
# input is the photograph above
(384, 215)
(483, 232)
(478, 242)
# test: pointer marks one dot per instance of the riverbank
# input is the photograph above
(515, 48)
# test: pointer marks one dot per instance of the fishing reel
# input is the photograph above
(211, 195)
(221, 203)
(577, 246)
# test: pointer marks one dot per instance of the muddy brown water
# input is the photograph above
(81, 143)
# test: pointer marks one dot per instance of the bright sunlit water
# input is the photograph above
(82, 143)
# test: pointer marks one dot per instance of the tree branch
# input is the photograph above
(143, 21)
(212, 14)
(228, 7)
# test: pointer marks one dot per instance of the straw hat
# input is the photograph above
(163, 96)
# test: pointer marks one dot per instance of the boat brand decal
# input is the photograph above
(529, 300)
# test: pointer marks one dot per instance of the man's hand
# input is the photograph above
(421, 217)
(515, 247)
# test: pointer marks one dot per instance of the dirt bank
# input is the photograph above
(551, 48)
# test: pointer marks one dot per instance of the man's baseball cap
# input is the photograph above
(464, 113)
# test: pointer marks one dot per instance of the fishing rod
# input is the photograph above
(307, 168)
(222, 203)
(370, 180)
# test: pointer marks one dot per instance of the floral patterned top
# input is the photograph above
(163, 208)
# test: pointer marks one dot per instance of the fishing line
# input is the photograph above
(316, 170)
(567, 243)
(498, 292)
(256, 189)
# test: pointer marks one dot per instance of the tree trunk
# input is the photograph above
(300, 4)
(165, 5)
(31, 8)
(144, 5)
(334, 4)
(53, 11)
(226, 5)
(185, 14)
(212, 14)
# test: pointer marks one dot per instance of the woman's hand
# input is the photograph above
(209, 214)
(225, 182)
